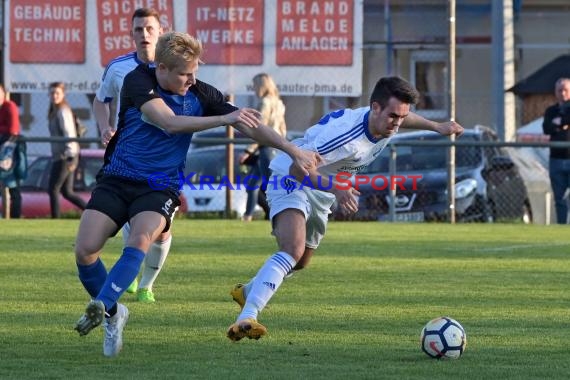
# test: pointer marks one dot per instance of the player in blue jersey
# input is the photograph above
(145, 30)
(346, 140)
(140, 179)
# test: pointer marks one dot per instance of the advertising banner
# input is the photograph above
(310, 47)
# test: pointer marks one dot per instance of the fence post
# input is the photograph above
(230, 164)
(547, 208)
(451, 100)
(392, 205)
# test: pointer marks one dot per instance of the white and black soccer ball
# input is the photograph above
(443, 338)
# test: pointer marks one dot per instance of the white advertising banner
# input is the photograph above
(310, 47)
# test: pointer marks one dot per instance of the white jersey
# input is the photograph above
(113, 77)
(343, 141)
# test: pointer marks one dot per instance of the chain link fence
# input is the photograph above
(396, 40)
(495, 181)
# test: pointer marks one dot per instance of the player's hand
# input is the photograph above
(243, 157)
(449, 128)
(106, 135)
(249, 117)
(347, 199)
(305, 160)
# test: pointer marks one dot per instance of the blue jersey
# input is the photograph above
(141, 151)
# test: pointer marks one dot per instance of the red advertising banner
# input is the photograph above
(114, 23)
(310, 47)
(43, 31)
(231, 31)
(315, 32)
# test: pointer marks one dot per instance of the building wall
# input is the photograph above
(417, 26)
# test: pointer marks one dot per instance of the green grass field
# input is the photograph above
(355, 313)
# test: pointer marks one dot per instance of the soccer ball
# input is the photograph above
(443, 338)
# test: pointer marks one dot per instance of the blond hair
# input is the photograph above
(265, 86)
(172, 47)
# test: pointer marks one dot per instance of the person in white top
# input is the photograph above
(64, 155)
(272, 110)
(146, 29)
(347, 141)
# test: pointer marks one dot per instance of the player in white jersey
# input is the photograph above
(346, 140)
(110, 90)
(145, 31)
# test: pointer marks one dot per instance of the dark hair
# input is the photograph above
(54, 107)
(394, 87)
(146, 12)
(57, 84)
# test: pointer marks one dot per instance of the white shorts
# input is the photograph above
(314, 204)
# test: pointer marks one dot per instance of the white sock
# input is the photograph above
(126, 233)
(266, 283)
(247, 287)
(153, 262)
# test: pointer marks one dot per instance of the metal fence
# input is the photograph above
(494, 181)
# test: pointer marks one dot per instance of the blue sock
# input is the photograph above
(92, 277)
(121, 276)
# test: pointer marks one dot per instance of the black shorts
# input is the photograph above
(121, 199)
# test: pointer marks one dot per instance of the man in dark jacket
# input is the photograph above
(556, 124)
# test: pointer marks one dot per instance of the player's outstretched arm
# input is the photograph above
(157, 113)
(415, 121)
(264, 135)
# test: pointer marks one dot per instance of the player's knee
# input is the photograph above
(84, 250)
(139, 241)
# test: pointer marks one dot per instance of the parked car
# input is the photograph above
(488, 185)
(208, 159)
(207, 180)
(35, 198)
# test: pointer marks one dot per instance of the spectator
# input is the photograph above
(250, 161)
(272, 111)
(556, 124)
(65, 154)
(9, 152)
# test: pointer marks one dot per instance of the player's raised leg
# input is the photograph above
(153, 263)
(240, 291)
(289, 229)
